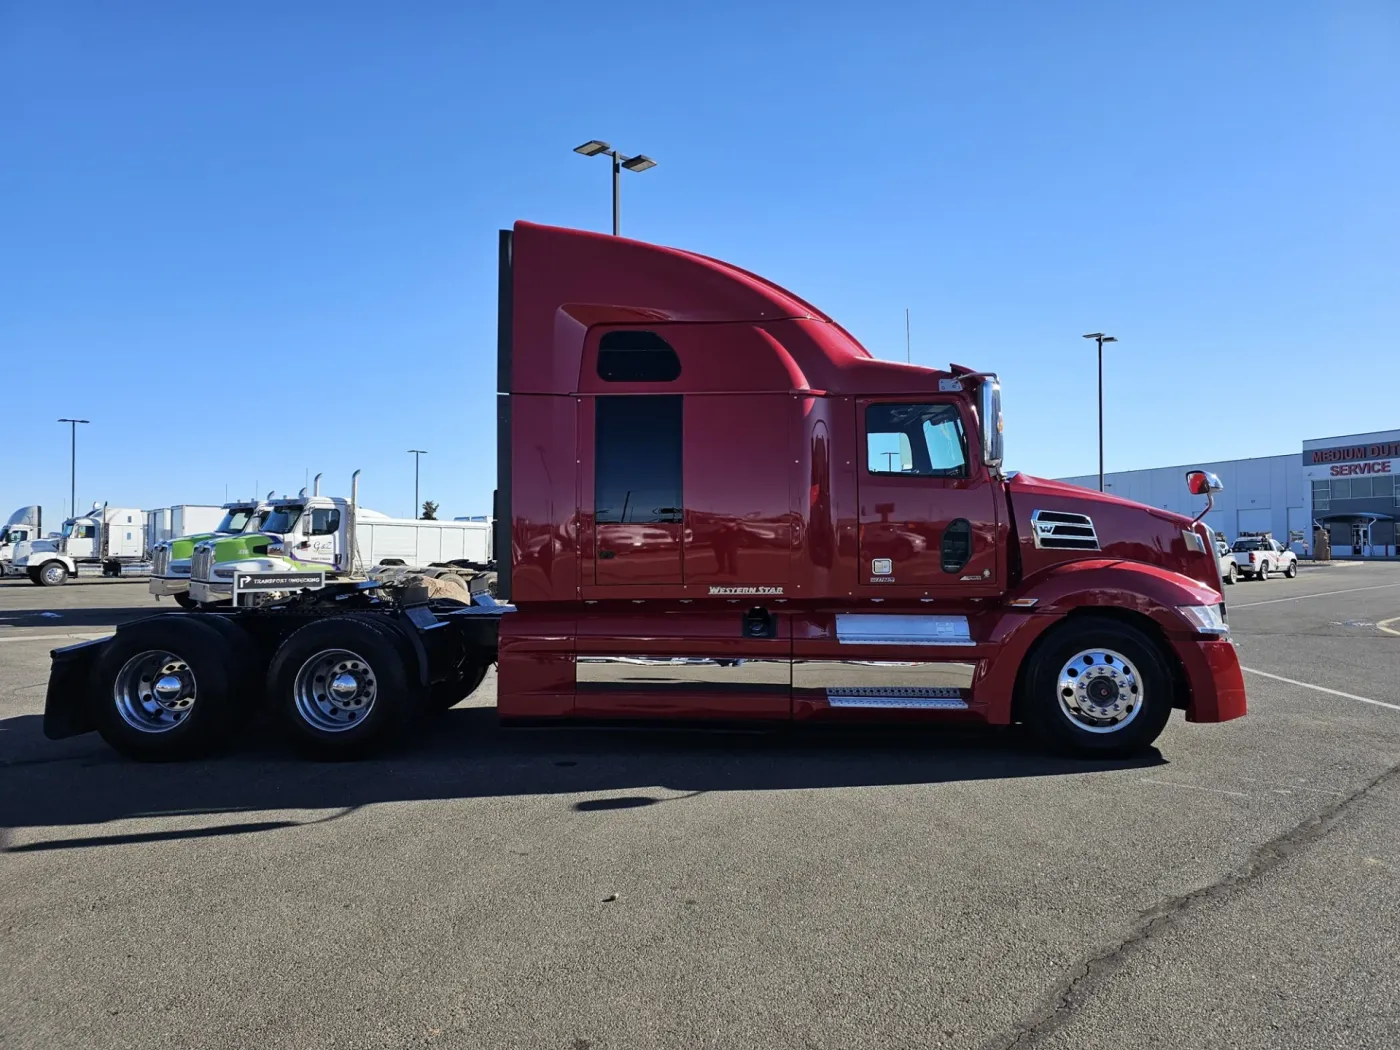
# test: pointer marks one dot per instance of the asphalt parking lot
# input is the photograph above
(607, 889)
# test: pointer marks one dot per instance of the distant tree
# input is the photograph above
(430, 510)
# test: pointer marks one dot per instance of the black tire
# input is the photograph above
(1231, 574)
(1292, 571)
(1147, 709)
(216, 666)
(1263, 573)
(387, 694)
(184, 601)
(445, 695)
(51, 574)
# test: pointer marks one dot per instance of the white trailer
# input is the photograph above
(379, 537)
(183, 519)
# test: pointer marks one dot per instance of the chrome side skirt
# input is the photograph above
(681, 672)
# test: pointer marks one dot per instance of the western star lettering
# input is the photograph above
(1344, 469)
(746, 590)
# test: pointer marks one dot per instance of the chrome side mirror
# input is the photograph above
(1203, 483)
(990, 422)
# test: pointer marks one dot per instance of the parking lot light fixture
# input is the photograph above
(641, 162)
(73, 464)
(1101, 339)
(416, 453)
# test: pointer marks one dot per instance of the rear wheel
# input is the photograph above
(1231, 574)
(343, 688)
(1097, 687)
(167, 688)
(52, 574)
(1263, 573)
(1292, 570)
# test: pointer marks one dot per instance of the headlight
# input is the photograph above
(1208, 619)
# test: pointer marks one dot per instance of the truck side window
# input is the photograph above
(325, 521)
(87, 532)
(636, 357)
(923, 440)
(637, 459)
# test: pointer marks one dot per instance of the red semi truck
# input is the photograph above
(717, 506)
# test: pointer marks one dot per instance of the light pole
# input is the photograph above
(417, 507)
(1101, 339)
(73, 464)
(597, 148)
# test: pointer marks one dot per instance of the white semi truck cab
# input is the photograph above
(332, 535)
(105, 537)
(27, 523)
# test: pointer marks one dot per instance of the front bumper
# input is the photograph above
(1215, 680)
(203, 591)
(168, 585)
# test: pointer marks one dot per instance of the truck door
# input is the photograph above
(324, 537)
(638, 510)
(928, 509)
(82, 540)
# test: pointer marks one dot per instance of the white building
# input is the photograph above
(1345, 484)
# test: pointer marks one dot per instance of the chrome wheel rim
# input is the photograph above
(1100, 691)
(53, 573)
(155, 691)
(335, 690)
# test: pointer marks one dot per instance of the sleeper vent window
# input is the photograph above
(636, 357)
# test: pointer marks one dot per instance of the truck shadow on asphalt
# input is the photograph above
(464, 754)
(88, 616)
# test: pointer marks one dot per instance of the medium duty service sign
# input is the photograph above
(255, 582)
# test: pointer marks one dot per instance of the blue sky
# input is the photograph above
(257, 240)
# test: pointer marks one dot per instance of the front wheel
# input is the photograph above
(184, 601)
(53, 574)
(1231, 574)
(1292, 570)
(1097, 687)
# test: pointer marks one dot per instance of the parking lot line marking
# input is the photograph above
(56, 637)
(1384, 625)
(1193, 787)
(1322, 689)
(1319, 594)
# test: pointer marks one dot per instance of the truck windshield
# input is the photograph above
(283, 519)
(235, 520)
(67, 528)
(257, 522)
(1252, 544)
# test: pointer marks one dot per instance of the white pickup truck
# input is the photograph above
(1257, 556)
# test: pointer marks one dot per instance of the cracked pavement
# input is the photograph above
(564, 889)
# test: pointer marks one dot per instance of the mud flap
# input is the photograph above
(65, 706)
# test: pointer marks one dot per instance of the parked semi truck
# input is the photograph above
(170, 558)
(27, 523)
(106, 539)
(714, 504)
(326, 534)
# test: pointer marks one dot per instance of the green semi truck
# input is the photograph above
(170, 559)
